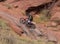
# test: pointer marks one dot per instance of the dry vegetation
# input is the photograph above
(42, 17)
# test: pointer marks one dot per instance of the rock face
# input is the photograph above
(56, 17)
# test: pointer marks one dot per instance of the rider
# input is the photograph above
(29, 19)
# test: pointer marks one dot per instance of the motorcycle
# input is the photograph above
(27, 23)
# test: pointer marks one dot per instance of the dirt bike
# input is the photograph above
(28, 24)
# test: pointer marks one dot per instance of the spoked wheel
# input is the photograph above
(22, 20)
(31, 25)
